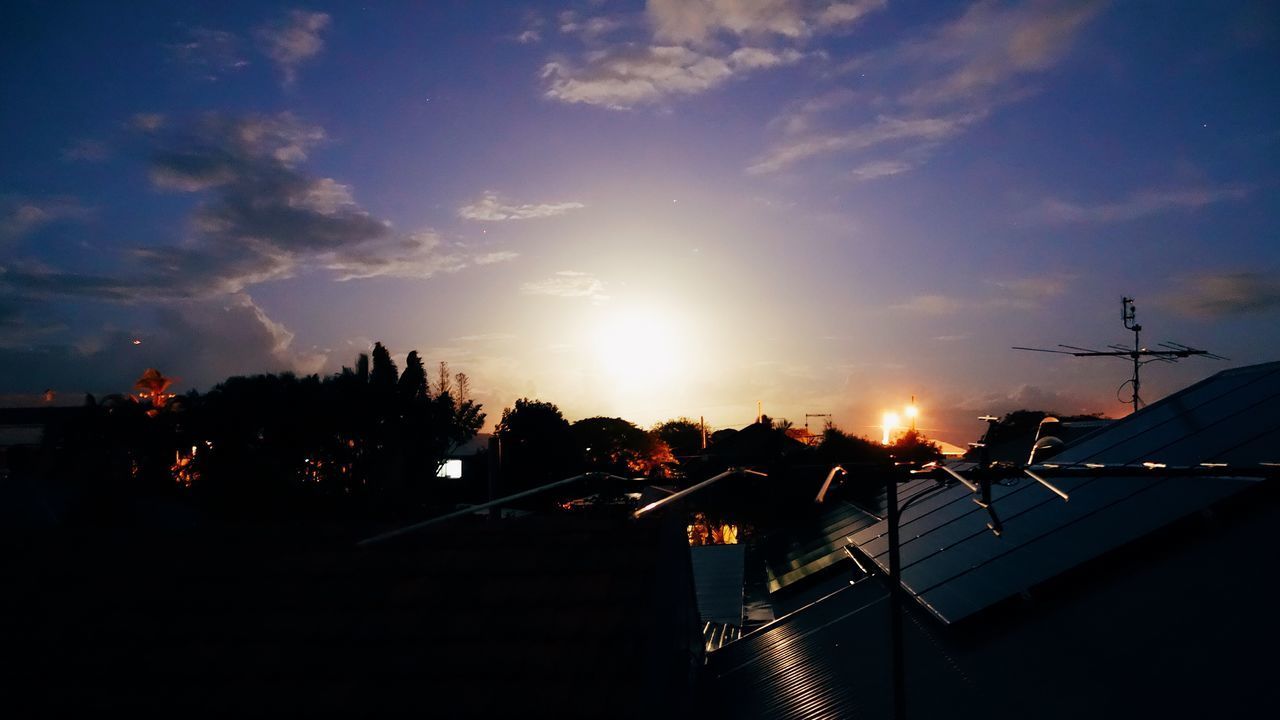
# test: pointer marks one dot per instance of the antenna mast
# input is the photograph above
(1139, 355)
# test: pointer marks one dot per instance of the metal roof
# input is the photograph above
(954, 565)
(829, 660)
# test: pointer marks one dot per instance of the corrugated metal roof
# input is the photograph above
(829, 661)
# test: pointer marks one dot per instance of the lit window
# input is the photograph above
(450, 469)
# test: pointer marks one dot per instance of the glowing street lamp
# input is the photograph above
(911, 411)
(890, 423)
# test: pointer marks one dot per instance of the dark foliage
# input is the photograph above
(538, 445)
(617, 446)
(364, 443)
(682, 435)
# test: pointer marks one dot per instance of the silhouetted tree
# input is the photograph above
(682, 435)
(413, 381)
(383, 374)
(617, 446)
(840, 448)
(913, 446)
(538, 445)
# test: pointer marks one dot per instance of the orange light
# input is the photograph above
(890, 423)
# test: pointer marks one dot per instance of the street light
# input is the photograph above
(890, 422)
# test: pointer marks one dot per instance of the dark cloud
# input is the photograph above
(1214, 295)
(260, 217)
(22, 216)
(199, 343)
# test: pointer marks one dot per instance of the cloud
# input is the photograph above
(527, 37)
(212, 53)
(588, 28)
(567, 284)
(992, 44)
(884, 129)
(932, 305)
(1215, 295)
(699, 21)
(259, 218)
(200, 343)
(845, 13)
(624, 77)
(419, 255)
(147, 122)
(21, 216)
(954, 77)
(880, 168)
(491, 207)
(681, 56)
(1138, 205)
(1025, 293)
(293, 40)
(86, 150)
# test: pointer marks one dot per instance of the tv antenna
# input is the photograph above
(1172, 352)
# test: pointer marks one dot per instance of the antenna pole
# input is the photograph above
(1129, 314)
(1169, 352)
(893, 517)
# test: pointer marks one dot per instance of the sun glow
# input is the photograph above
(638, 348)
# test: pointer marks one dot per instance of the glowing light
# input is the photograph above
(911, 411)
(637, 348)
(890, 423)
(137, 341)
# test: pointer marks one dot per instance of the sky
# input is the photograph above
(643, 209)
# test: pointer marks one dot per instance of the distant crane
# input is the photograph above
(815, 415)
(1140, 356)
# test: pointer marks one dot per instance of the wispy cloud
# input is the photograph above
(948, 80)
(21, 216)
(880, 168)
(86, 150)
(209, 52)
(147, 122)
(882, 130)
(1215, 295)
(1025, 293)
(589, 28)
(567, 284)
(1137, 205)
(990, 46)
(293, 40)
(932, 305)
(492, 207)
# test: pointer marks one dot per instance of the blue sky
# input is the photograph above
(642, 209)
